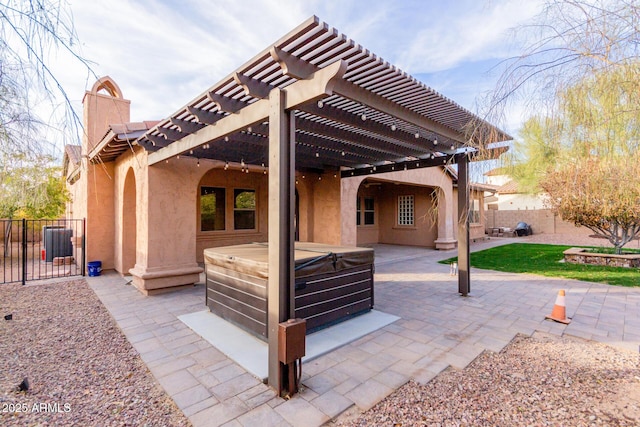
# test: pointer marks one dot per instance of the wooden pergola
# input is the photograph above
(317, 101)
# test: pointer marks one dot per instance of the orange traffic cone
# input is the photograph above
(559, 313)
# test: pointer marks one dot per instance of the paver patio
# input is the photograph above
(438, 328)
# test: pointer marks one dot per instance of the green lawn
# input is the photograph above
(544, 260)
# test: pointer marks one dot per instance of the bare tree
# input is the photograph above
(31, 33)
(567, 41)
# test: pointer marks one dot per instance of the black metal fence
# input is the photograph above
(36, 249)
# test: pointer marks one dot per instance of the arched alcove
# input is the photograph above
(396, 212)
(129, 224)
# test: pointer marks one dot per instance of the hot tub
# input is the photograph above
(332, 284)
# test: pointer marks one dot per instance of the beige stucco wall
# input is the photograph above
(100, 214)
(386, 229)
(93, 195)
(429, 180)
(326, 209)
(128, 166)
(103, 105)
(542, 221)
(231, 180)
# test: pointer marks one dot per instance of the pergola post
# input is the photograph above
(464, 285)
(281, 210)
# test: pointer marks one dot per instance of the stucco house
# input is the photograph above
(507, 194)
(370, 147)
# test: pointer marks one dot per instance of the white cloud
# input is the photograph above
(478, 33)
(164, 53)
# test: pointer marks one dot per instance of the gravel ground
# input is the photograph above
(542, 380)
(80, 368)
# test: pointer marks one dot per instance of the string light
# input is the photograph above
(191, 152)
(417, 135)
(393, 127)
(363, 117)
(226, 166)
(226, 139)
(198, 163)
(320, 104)
(435, 141)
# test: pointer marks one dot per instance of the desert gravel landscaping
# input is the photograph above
(542, 380)
(80, 367)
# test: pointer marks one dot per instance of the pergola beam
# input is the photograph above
(185, 126)
(253, 87)
(204, 117)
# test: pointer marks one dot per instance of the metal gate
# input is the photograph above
(37, 249)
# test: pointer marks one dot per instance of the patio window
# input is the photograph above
(212, 208)
(358, 211)
(405, 210)
(369, 211)
(244, 209)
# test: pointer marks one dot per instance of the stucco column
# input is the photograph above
(446, 240)
(348, 194)
(166, 241)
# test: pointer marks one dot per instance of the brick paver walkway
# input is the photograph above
(438, 328)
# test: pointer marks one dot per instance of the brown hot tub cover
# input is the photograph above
(332, 283)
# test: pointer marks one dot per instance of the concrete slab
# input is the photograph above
(252, 353)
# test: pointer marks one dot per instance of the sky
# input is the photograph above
(164, 53)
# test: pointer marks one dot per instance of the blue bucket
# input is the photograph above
(95, 268)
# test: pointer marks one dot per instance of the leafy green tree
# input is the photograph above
(32, 188)
(586, 156)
